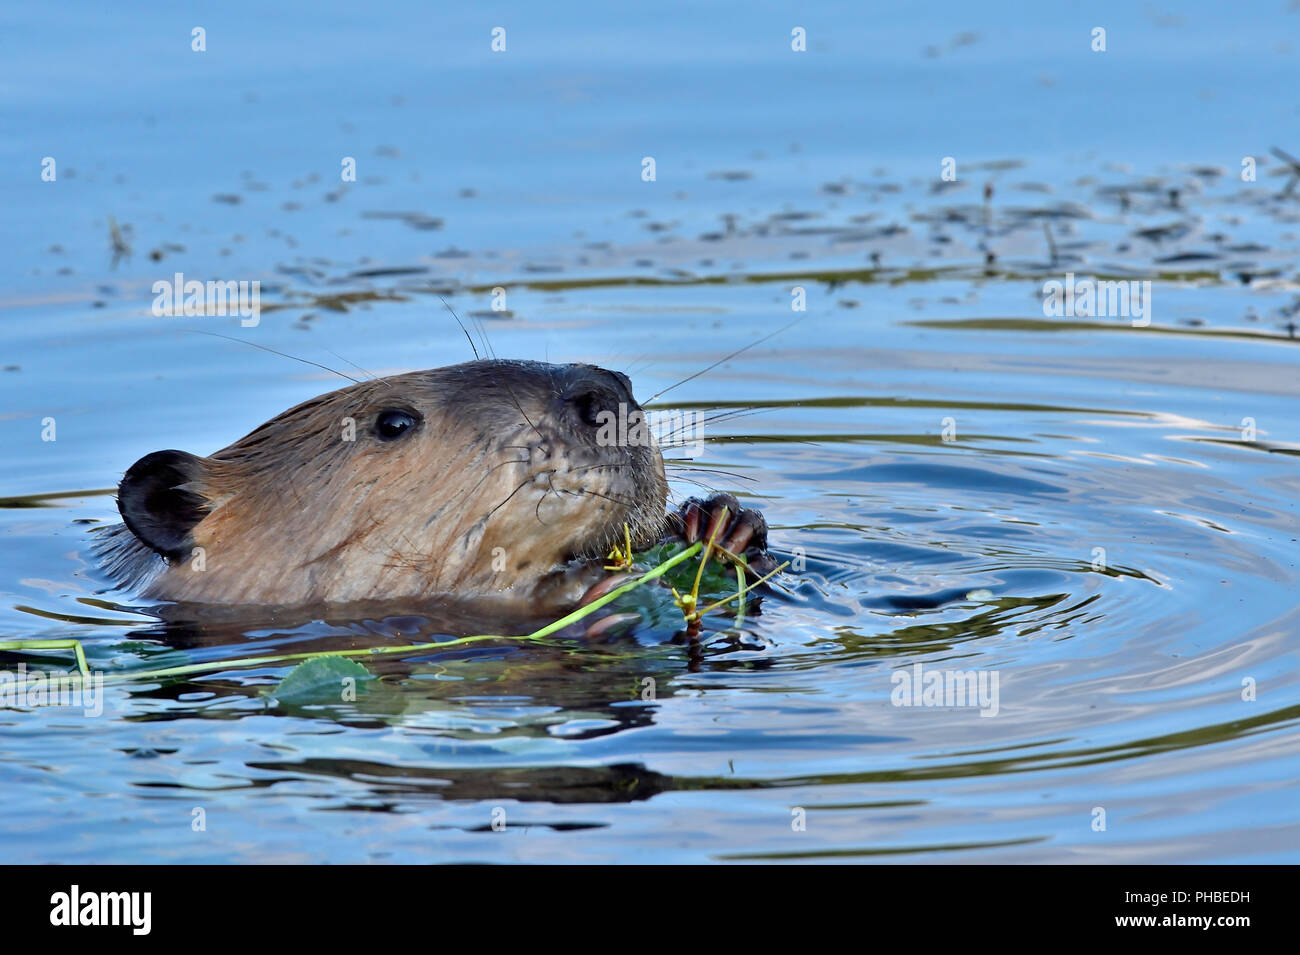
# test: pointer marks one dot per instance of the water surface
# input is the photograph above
(1101, 513)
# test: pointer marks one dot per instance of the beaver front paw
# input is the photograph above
(738, 530)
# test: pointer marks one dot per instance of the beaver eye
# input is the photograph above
(394, 423)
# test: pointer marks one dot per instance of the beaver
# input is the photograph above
(492, 479)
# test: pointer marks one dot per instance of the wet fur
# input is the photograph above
(294, 514)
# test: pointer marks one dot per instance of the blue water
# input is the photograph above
(950, 463)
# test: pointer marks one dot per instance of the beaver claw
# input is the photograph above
(739, 530)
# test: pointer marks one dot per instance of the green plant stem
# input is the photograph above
(740, 594)
(216, 665)
(73, 645)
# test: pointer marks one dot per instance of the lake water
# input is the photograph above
(1098, 511)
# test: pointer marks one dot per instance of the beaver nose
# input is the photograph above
(589, 400)
(594, 390)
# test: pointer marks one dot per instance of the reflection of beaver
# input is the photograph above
(487, 479)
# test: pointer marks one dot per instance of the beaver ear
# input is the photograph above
(158, 503)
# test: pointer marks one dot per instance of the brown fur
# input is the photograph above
(294, 514)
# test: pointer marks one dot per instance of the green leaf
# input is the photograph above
(718, 580)
(322, 680)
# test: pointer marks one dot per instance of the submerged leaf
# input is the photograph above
(331, 679)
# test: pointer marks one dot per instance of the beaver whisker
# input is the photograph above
(676, 465)
(537, 509)
(613, 500)
(486, 474)
(551, 489)
(590, 467)
(625, 502)
(373, 376)
(641, 528)
(731, 414)
(738, 351)
(688, 425)
(514, 398)
(726, 411)
(305, 361)
(497, 378)
(472, 346)
(699, 484)
(523, 484)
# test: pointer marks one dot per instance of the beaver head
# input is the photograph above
(471, 480)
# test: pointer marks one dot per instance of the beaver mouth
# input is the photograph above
(642, 526)
(593, 497)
